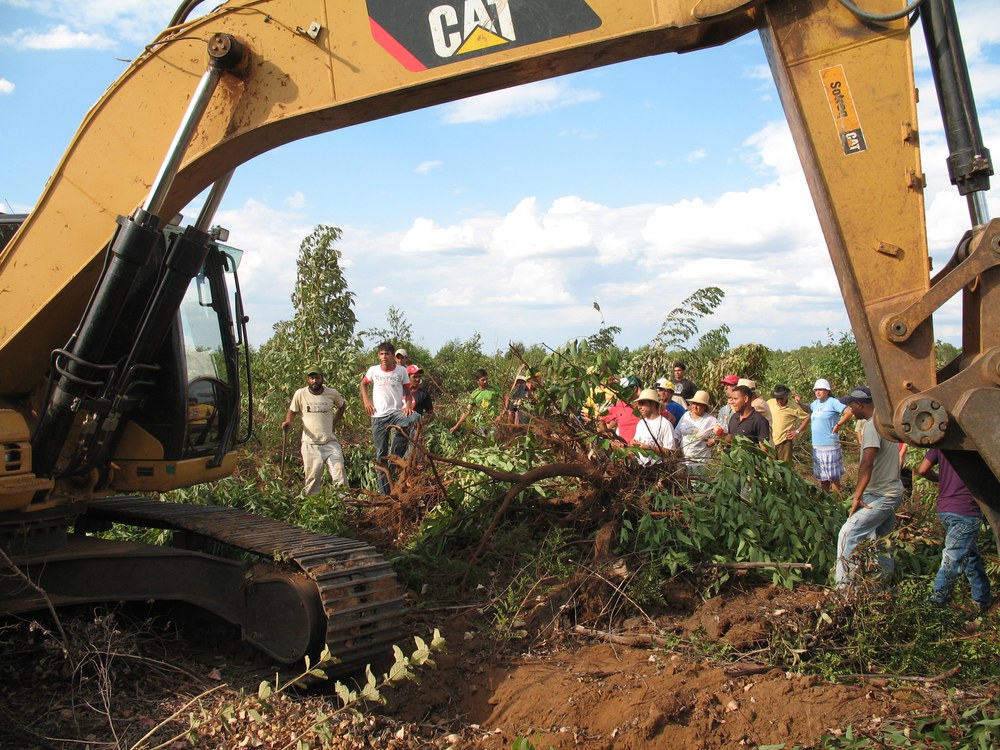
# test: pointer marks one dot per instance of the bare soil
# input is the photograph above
(551, 682)
(577, 690)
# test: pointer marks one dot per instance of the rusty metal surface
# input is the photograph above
(357, 588)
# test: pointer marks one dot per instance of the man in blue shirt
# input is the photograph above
(825, 419)
(668, 407)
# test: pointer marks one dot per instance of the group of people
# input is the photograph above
(394, 397)
(397, 401)
(486, 406)
(773, 424)
(672, 419)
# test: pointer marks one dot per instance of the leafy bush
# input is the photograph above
(753, 509)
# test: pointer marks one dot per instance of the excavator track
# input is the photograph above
(357, 588)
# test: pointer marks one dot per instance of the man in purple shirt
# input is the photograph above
(959, 514)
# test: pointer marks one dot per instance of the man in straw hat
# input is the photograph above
(671, 408)
(653, 432)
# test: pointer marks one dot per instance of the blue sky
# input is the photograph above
(511, 214)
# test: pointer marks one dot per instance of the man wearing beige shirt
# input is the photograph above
(785, 416)
(321, 409)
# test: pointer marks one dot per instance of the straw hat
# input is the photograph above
(701, 397)
(647, 395)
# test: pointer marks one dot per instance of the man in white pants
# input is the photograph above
(321, 408)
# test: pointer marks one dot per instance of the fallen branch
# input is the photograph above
(520, 483)
(581, 470)
(38, 590)
(755, 565)
(908, 678)
(633, 639)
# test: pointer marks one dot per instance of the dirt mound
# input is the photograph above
(578, 692)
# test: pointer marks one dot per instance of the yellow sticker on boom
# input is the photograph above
(845, 114)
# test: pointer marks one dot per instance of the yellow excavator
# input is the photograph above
(113, 322)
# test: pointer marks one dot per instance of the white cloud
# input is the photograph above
(6, 87)
(758, 73)
(531, 272)
(296, 201)
(520, 101)
(448, 297)
(426, 166)
(527, 231)
(533, 282)
(697, 155)
(133, 21)
(57, 38)
(426, 237)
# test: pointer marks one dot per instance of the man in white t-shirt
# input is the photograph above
(654, 432)
(321, 408)
(387, 405)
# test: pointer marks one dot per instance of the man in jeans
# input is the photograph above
(388, 406)
(959, 514)
(877, 496)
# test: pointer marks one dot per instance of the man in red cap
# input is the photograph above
(728, 382)
(420, 398)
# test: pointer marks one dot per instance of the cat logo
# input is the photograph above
(424, 34)
(843, 109)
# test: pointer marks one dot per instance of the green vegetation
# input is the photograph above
(465, 517)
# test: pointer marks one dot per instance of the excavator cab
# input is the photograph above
(211, 336)
(193, 417)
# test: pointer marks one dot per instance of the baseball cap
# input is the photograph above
(402, 352)
(314, 371)
(824, 384)
(862, 394)
(414, 369)
(748, 383)
(664, 384)
(731, 380)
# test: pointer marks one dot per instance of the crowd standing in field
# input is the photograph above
(669, 424)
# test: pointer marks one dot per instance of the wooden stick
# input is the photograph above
(908, 678)
(752, 565)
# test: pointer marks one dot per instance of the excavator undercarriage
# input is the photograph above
(290, 590)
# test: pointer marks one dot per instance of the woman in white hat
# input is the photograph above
(826, 415)
(698, 431)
